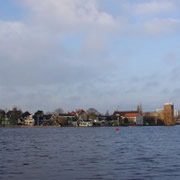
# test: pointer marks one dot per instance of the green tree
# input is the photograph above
(38, 113)
(14, 115)
(37, 116)
(2, 115)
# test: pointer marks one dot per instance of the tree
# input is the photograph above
(38, 113)
(14, 115)
(37, 116)
(59, 111)
(59, 119)
(25, 114)
(92, 113)
(92, 110)
(2, 115)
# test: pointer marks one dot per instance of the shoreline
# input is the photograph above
(16, 126)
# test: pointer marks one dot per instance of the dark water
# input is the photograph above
(90, 153)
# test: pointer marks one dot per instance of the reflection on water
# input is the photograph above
(90, 153)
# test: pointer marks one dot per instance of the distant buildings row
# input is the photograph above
(91, 117)
(166, 116)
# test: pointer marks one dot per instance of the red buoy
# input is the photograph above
(117, 129)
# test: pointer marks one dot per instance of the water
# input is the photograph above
(90, 153)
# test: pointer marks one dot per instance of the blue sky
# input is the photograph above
(11, 10)
(89, 53)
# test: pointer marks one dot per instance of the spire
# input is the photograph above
(139, 108)
(117, 108)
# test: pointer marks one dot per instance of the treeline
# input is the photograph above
(18, 117)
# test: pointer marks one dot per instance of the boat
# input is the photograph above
(85, 124)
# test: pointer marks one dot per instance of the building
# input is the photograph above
(154, 118)
(169, 119)
(176, 113)
(129, 117)
(5, 121)
(64, 119)
(163, 116)
(69, 119)
(106, 120)
(134, 118)
(85, 124)
(151, 118)
(29, 121)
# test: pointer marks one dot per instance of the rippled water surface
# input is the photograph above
(90, 153)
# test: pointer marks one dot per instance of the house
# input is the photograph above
(66, 119)
(105, 120)
(29, 121)
(69, 118)
(23, 117)
(78, 118)
(5, 121)
(129, 117)
(134, 118)
(178, 120)
(81, 114)
(42, 119)
(46, 120)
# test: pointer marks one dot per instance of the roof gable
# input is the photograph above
(131, 115)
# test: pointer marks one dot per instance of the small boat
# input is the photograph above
(85, 124)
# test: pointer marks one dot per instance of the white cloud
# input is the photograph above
(60, 17)
(35, 64)
(9, 29)
(162, 26)
(32, 56)
(68, 15)
(10, 33)
(154, 7)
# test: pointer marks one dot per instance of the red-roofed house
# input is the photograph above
(81, 114)
(134, 118)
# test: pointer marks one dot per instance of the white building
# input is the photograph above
(176, 113)
(29, 121)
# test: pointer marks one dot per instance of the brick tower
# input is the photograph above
(169, 114)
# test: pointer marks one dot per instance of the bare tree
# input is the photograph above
(59, 111)
(92, 111)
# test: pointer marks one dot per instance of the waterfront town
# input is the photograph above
(166, 116)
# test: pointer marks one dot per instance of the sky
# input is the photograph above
(99, 54)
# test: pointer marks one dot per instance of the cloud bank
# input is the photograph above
(74, 53)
